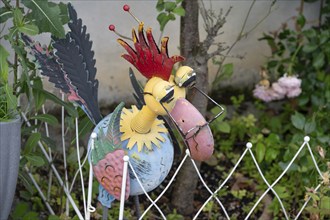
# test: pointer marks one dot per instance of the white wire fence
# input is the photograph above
(213, 195)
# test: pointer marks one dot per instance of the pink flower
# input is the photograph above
(294, 92)
(263, 93)
(279, 92)
(286, 86)
(289, 81)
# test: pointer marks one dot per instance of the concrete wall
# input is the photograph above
(113, 70)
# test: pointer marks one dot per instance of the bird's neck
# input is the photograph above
(142, 121)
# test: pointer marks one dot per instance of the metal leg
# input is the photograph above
(137, 206)
(105, 213)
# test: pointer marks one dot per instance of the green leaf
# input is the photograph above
(29, 29)
(5, 14)
(64, 15)
(216, 110)
(68, 106)
(310, 47)
(3, 64)
(179, 11)
(298, 120)
(162, 18)
(53, 217)
(318, 60)
(31, 215)
(310, 33)
(160, 5)
(224, 127)
(227, 70)
(18, 17)
(325, 203)
(20, 210)
(47, 17)
(50, 119)
(324, 36)
(11, 98)
(271, 154)
(260, 152)
(85, 125)
(281, 191)
(39, 97)
(293, 167)
(303, 100)
(31, 143)
(169, 6)
(48, 142)
(171, 16)
(25, 179)
(301, 20)
(35, 160)
(310, 126)
(72, 158)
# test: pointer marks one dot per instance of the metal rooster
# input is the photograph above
(137, 132)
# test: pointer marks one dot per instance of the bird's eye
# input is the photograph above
(169, 95)
(190, 81)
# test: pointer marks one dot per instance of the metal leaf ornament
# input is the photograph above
(75, 56)
(107, 157)
(72, 67)
(47, 65)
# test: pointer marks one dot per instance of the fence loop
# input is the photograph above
(306, 138)
(249, 145)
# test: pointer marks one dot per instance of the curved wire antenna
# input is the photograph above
(222, 110)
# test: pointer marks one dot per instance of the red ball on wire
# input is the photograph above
(126, 7)
(112, 27)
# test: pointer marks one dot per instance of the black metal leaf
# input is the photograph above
(138, 95)
(47, 63)
(79, 35)
(74, 54)
(68, 55)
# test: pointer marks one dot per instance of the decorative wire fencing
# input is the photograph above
(213, 195)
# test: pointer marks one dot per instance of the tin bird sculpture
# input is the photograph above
(137, 132)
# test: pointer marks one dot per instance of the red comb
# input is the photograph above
(147, 57)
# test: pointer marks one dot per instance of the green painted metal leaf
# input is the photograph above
(113, 134)
(110, 141)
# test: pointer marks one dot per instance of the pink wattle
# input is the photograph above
(201, 143)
